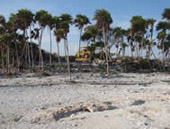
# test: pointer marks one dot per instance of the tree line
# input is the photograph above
(22, 33)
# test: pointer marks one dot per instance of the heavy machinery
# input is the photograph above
(84, 55)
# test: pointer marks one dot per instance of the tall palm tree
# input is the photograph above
(80, 21)
(51, 25)
(118, 34)
(42, 18)
(3, 39)
(64, 28)
(24, 18)
(138, 28)
(6, 40)
(166, 14)
(2, 21)
(162, 27)
(90, 34)
(57, 34)
(130, 40)
(103, 21)
(13, 27)
(150, 25)
(90, 37)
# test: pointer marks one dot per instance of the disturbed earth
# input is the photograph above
(88, 101)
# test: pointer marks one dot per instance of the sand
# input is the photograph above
(91, 101)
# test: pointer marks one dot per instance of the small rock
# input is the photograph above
(146, 124)
(138, 102)
(43, 108)
(74, 125)
(1, 119)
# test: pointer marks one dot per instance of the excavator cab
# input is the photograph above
(84, 55)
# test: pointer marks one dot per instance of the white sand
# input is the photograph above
(92, 102)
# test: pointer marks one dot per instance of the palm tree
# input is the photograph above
(162, 36)
(24, 18)
(150, 26)
(130, 40)
(103, 22)
(57, 34)
(80, 21)
(2, 21)
(51, 25)
(6, 39)
(13, 27)
(3, 39)
(42, 18)
(90, 36)
(118, 34)
(64, 28)
(138, 25)
(166, 14)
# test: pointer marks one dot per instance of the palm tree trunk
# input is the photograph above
(123, 52)
(8, 60)
(137, 49)
(23, 54)
(106, 51)
(80, 40)
(58, 53)
(41, 63)
(50, 48)
(117, 52)
(163, 53)
(109, 55)
(67, 57)
(153, 53)
(143, 36)
(131, 49)
(28, 50)
(149, 49)
(17, 57)
(25, 46)
(2, 58)
(32, 55)
(123, 47)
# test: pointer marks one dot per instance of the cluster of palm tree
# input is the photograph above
(18, 37)
(139, 38)
(18, 33)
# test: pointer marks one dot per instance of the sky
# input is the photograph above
(121, 11)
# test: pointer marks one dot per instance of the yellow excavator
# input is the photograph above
(84, 55)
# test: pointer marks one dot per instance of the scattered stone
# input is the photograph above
(17, 118)
(1, 119)
(138, 102)
(74, 125)
(146, 124)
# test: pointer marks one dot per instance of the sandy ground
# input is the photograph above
(91, 101)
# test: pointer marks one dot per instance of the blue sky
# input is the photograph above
(121, 10)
